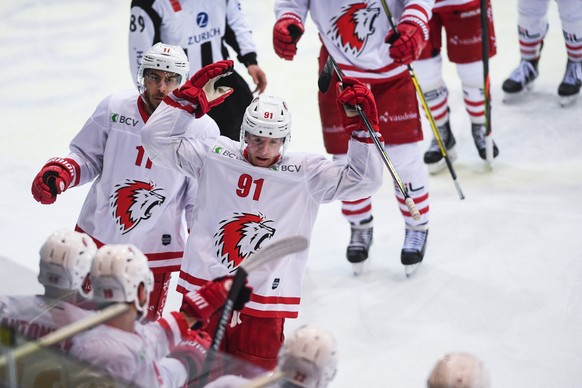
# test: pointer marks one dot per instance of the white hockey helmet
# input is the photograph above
(309, 358)
(65, 259)
(117, 272)
(267, 116)
(459, 370)
(165, 57)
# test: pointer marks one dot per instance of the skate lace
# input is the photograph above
(573, 74)
(414, 239)
(523, 73)
(361, 237)
(479, 135)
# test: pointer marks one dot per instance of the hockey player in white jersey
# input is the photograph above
(131, 200)
(164, 353)
(459, 370)
(254, 191)
(65, 261)
(202, 28)
(532, 26)
(357, 34)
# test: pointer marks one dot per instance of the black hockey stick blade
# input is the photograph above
(326, 75)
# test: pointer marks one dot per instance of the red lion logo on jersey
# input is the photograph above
(241, 236)
(133, 202)
(350, 30)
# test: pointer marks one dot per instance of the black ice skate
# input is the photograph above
(360, 242)
(432, 157)
(570, 86)
(478, 131)
(413, 249)
(521, 79)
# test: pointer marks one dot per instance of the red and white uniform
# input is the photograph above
(460, 21)
(139, 357)
(353, 32)
(131, 200)
(533, 25)
(35, 316)
(241, 208)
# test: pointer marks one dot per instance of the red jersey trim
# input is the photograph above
(176, 5)
(270, 314)
(141, 107)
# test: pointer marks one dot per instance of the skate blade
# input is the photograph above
(358, 268)
(409, 270)
(509, 98)
(435, 168)
(566, 101)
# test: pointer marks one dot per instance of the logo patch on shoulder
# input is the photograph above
(275, 284)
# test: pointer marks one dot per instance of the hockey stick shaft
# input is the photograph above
(66, 332)
(486, 83)
(426, 109)
(332, 64)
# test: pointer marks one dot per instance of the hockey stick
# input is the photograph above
(265, 380)
(486, 84)
(426, 108)
(323, 82)
(276, 250)
(64, 332)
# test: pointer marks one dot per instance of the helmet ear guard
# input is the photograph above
(309, 355)
(65, 260)
(164, 57)
(117, 273)
(267, 116)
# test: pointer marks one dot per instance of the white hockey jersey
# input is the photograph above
(241, 208)
(353, 32)
(198, 26)
(139, 357)
(35, 316)
(132, 200)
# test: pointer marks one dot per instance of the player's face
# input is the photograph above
(158, 84)
(263, 151)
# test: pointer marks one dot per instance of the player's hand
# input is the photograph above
(352, 92)
(200, 89)
(286, 33)
(259, 78)
(54, 178)
(202, 303)
(192, 351)
(407, 43)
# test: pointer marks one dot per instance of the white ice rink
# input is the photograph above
(502, 277)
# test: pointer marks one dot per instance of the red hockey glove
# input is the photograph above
(54, 178)
(200, 89)
(192, 352)
(204, 302)
(407, 44)
(286, 33)
(354, 92)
